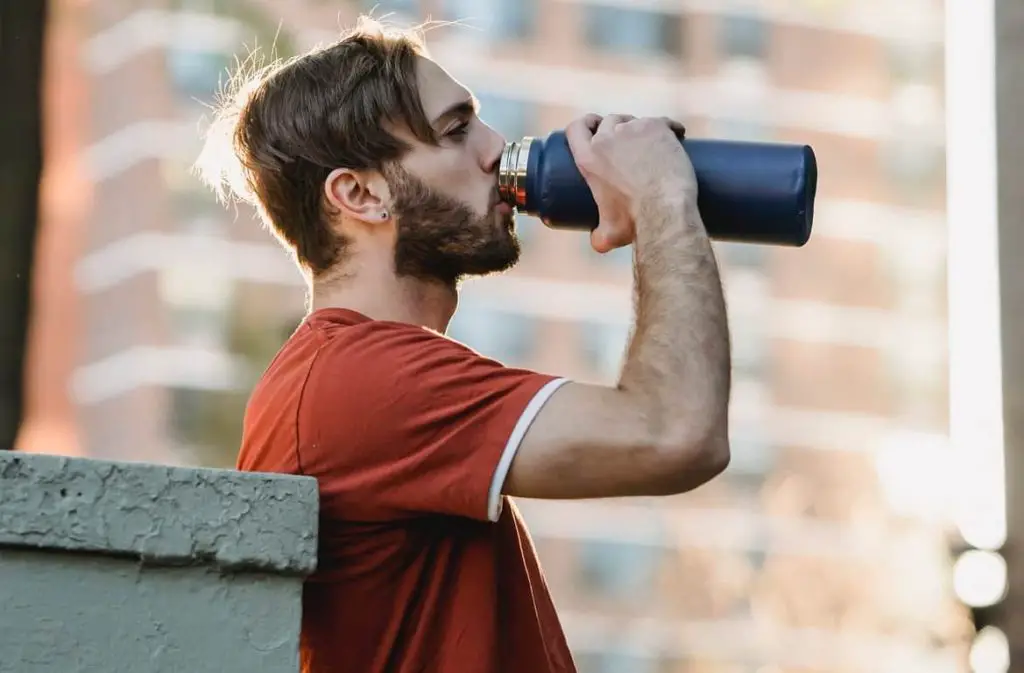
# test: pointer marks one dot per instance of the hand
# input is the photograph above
(626, 161)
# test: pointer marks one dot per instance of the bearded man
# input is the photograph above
(370, 164)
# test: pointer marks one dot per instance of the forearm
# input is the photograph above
(664, 428)
(678, 361)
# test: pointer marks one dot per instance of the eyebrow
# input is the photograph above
(463, 108)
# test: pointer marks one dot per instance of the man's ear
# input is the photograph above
(362, 195)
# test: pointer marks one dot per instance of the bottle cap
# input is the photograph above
(512, 172)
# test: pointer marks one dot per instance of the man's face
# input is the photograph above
(450, 221)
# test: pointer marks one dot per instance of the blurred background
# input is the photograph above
(855, 529)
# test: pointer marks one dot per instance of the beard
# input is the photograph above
(440, 238)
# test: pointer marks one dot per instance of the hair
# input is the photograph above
(280, 129)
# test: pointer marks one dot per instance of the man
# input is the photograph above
(369, 162)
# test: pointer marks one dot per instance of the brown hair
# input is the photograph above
(281, 129)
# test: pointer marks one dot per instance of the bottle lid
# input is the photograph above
(512, 172)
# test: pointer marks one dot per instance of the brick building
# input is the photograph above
(814, 552)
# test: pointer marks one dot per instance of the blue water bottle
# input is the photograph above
(748, 192)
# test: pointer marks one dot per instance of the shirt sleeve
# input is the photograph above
(397, 420)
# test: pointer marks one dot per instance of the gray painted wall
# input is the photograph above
(119, 567)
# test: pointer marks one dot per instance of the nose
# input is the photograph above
(494, 144)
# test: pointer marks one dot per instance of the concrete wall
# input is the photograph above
(119, 567)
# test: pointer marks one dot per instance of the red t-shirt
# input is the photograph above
(424, 566)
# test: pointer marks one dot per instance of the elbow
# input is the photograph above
(693, 461)
(714, 454)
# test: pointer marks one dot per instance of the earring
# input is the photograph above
(383, 214)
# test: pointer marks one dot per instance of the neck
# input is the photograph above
(376, 292)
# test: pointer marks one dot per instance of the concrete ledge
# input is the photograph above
(161, 515)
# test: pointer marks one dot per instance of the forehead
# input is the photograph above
(438, 89)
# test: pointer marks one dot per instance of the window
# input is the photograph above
(255, 339)
(742, 255)
(207, 424)
(186, 284)
(510, 117)
(197, 301)
(750, 352)
(176, 172)
(401, 10)
(507, 337)
(730, 128)
(204, 31)
(912, 163)
(633, 31)
(743, 36)
(618, 570)
(196, 74)
(222, 7)
(913, 62)
(186, 409)
(753, 451)
(751, 455)
(493, 20)
(192, 206)
(617, 661)
(199, 326)
(604, 346)
(196, 212)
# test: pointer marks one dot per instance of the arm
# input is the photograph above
(397, 421)
(663, 428)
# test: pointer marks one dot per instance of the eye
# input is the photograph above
(458, 131)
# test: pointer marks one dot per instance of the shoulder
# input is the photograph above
(372, 349)
(379, 365)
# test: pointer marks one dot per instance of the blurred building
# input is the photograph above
(822, 548)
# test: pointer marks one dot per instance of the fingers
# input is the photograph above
(676, 127)
(582, 128)
(609, 123)
(578, 135)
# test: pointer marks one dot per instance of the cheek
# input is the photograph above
(456, 173)
(460, 174)
(461, 165)
(439, 168)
